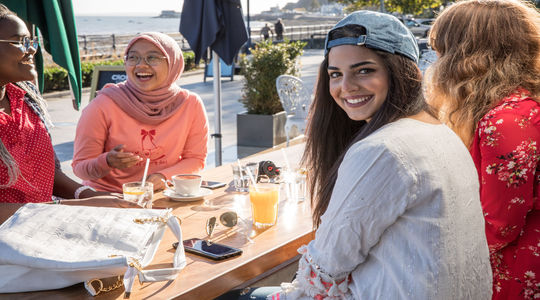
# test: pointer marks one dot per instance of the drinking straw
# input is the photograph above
(286, 160)
(144, 180)
(145, 171)
(248, 171)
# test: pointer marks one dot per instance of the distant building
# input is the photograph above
(335, 9)
(275, 9)
(273, 13)
(169, 14)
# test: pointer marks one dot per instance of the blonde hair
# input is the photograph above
(8, 160)
(12, 168)
(487, 49)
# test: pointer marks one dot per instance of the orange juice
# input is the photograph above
(264, 204)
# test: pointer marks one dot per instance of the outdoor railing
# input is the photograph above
(304, 32)
(96, 46)
(101, 46)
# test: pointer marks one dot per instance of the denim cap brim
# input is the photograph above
(383, 32)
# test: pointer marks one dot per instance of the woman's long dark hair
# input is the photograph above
(330, 131)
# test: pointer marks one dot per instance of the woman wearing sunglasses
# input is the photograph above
(395, 192)
(29, 170)
(148, 116)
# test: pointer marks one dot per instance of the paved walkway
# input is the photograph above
(65, 117)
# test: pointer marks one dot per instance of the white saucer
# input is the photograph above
(176, 197)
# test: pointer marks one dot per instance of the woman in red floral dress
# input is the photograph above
(486, 86)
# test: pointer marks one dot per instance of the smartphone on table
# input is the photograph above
(212, 184)
(208, 249)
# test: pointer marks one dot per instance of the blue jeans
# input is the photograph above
(256, 293)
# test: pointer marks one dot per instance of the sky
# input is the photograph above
(154, 7)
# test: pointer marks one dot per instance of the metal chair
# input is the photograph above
(296, 100)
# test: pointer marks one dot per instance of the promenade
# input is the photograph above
(65, 118)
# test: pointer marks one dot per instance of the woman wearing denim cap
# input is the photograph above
(147, 117)
(486, 84)
(396, 201)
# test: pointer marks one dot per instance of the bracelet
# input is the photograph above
(81, 189)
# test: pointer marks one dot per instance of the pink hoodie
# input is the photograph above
(177, 145)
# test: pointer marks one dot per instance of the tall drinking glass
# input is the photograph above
(264, 200)
(241, 178)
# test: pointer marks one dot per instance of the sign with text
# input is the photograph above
(106, 74)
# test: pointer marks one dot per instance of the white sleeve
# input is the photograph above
(374, 187)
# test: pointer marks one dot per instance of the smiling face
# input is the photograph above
(142, 75)
(15, 65)
(358, 80)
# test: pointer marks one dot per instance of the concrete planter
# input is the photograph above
(260, 130)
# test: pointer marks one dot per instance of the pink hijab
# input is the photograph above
(157, 105)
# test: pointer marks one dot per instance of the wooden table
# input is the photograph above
(202, 278)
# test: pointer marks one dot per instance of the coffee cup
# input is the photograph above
(187, 184)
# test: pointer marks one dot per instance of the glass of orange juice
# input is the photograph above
(264, 200)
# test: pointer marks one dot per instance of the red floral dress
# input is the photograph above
(505, 151)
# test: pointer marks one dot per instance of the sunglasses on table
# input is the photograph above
(24, 44)
(228, 219)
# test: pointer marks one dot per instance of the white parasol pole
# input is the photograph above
(217, 104)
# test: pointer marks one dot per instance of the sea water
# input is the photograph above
(89, 25)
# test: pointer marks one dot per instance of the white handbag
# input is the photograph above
(45, 247)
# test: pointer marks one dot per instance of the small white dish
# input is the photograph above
(176, 197)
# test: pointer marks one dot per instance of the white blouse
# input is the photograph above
(404, 222)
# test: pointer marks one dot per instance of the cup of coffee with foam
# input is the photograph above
(187, 184)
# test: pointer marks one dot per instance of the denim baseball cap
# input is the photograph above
(383, 32)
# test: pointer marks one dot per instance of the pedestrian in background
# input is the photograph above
(265, 31)
(486, 86)
(279, 29)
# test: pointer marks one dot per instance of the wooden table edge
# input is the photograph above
(249, 272)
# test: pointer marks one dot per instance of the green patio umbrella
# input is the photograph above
(56, 23)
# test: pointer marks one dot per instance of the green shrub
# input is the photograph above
(260, 71)
(189, 60)
(55, 78)
(87, 69)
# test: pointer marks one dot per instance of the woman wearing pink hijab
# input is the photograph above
(148, 116)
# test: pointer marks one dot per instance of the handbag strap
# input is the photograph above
(97, 286)
(179, 262)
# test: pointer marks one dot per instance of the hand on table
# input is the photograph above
(118, 159)
(89, 193)
(158, 180)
